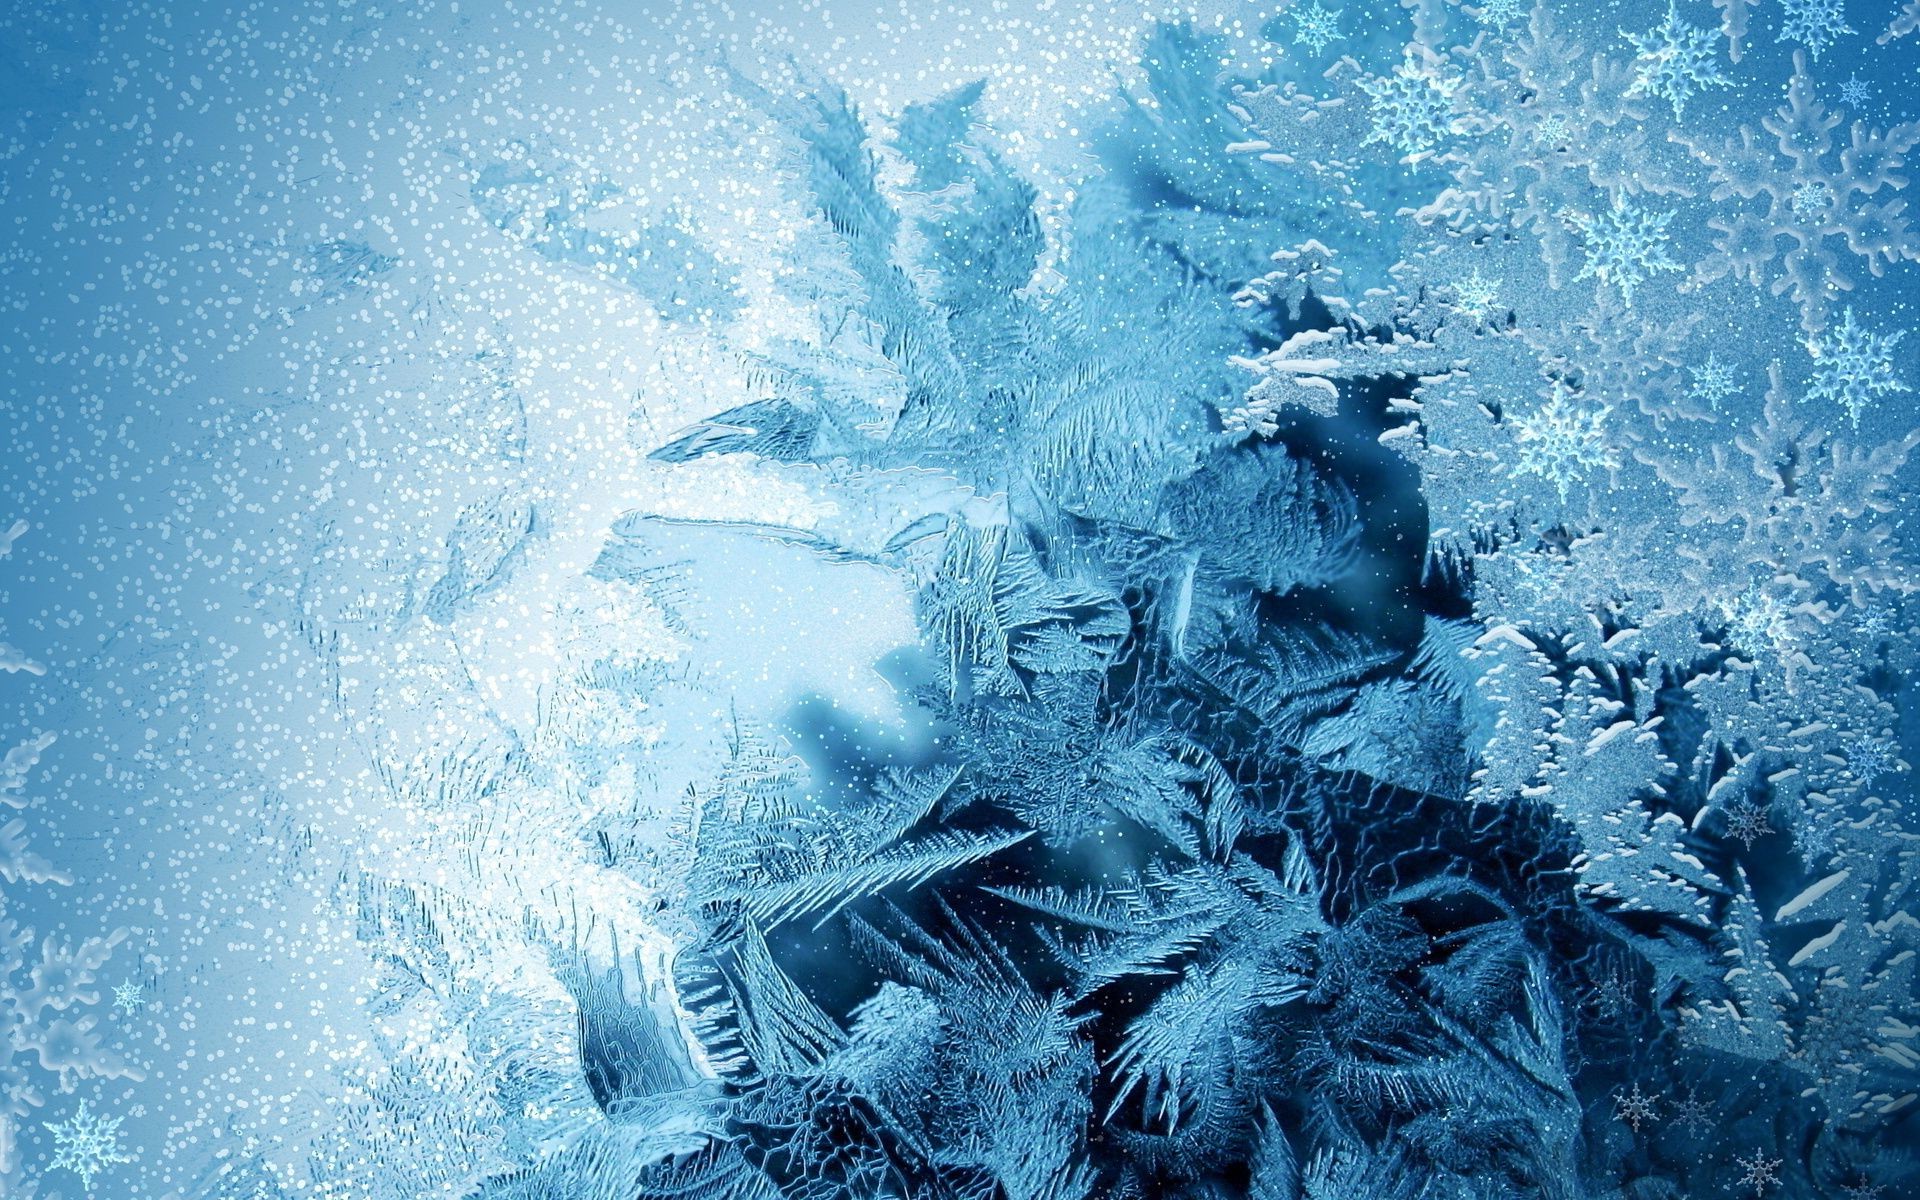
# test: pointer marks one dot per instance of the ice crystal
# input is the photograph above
(1315, 27)
(1713, 381)
(1563, 440)
(1412, 106)
(1869, 758)
(1811, 199)
(1758, 622)
(1477, 296)
(1695, 1114)
(1747, 822)
(1626, 246)
(1635, 1107)
(1757, 1171)
(1853, 366)
(1675, 61)
(129, 996)
(87, 1145)
(1815, 24)
(806, 626)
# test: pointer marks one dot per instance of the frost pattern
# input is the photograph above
(724, 606)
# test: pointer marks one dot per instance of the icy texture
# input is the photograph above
(969, 602)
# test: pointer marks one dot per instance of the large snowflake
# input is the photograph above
(1851, 366)
(86, 1145)
(1799, 182)
(1815, 24)
(1676, 61)
(1626, 246)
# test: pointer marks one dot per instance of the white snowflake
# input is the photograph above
(1315, 27)
(1853, 91)
(1498, 13)
(1758, 622)
(1713, 381)
(1875, 623)
(1477, 296)
(1870, 758)
(86, 1145)
(1636, 1108)
(1626, 246)
(1815, 24)
(1412, 107)
(1811, 200)
(129, 996)
(1757, 1171)
(1852, 366)
(1562, 441)
(1676, 60)
(1747, 822)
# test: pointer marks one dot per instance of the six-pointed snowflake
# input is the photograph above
(1477, 296)
(1563, 441)
(128, 996)
(86, 1145)
(1713, 381)
(1315, 27)
(1747, 822)
(1815, 24)
(1694, 1114)
(1626, 246)
(1758, 1171)
(1852, 366)
(1676, 60)
(1412, 106)
(1498, 13)
(1635, 1107)
(1870, 758)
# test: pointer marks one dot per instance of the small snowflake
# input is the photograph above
(129, 996)
(1498, 13)
(1694, 1114)
(1747, 822)
(1758, 622)
(1862, 1190)
(1870, 758)
(1815, 24)
(1314, 27)
(1412, 107)
(1853, 91)
(1817, 834)
(1636, 1107)
(1875, 623)
(1852, 366)
(1563, 441)
(1553, 130)
(1616, 994)
(1713, 381)
(1626, 246)
(1675, 61)
(1758, 1171)
(1811, 200)
(1477, 296)
(86, 1144)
